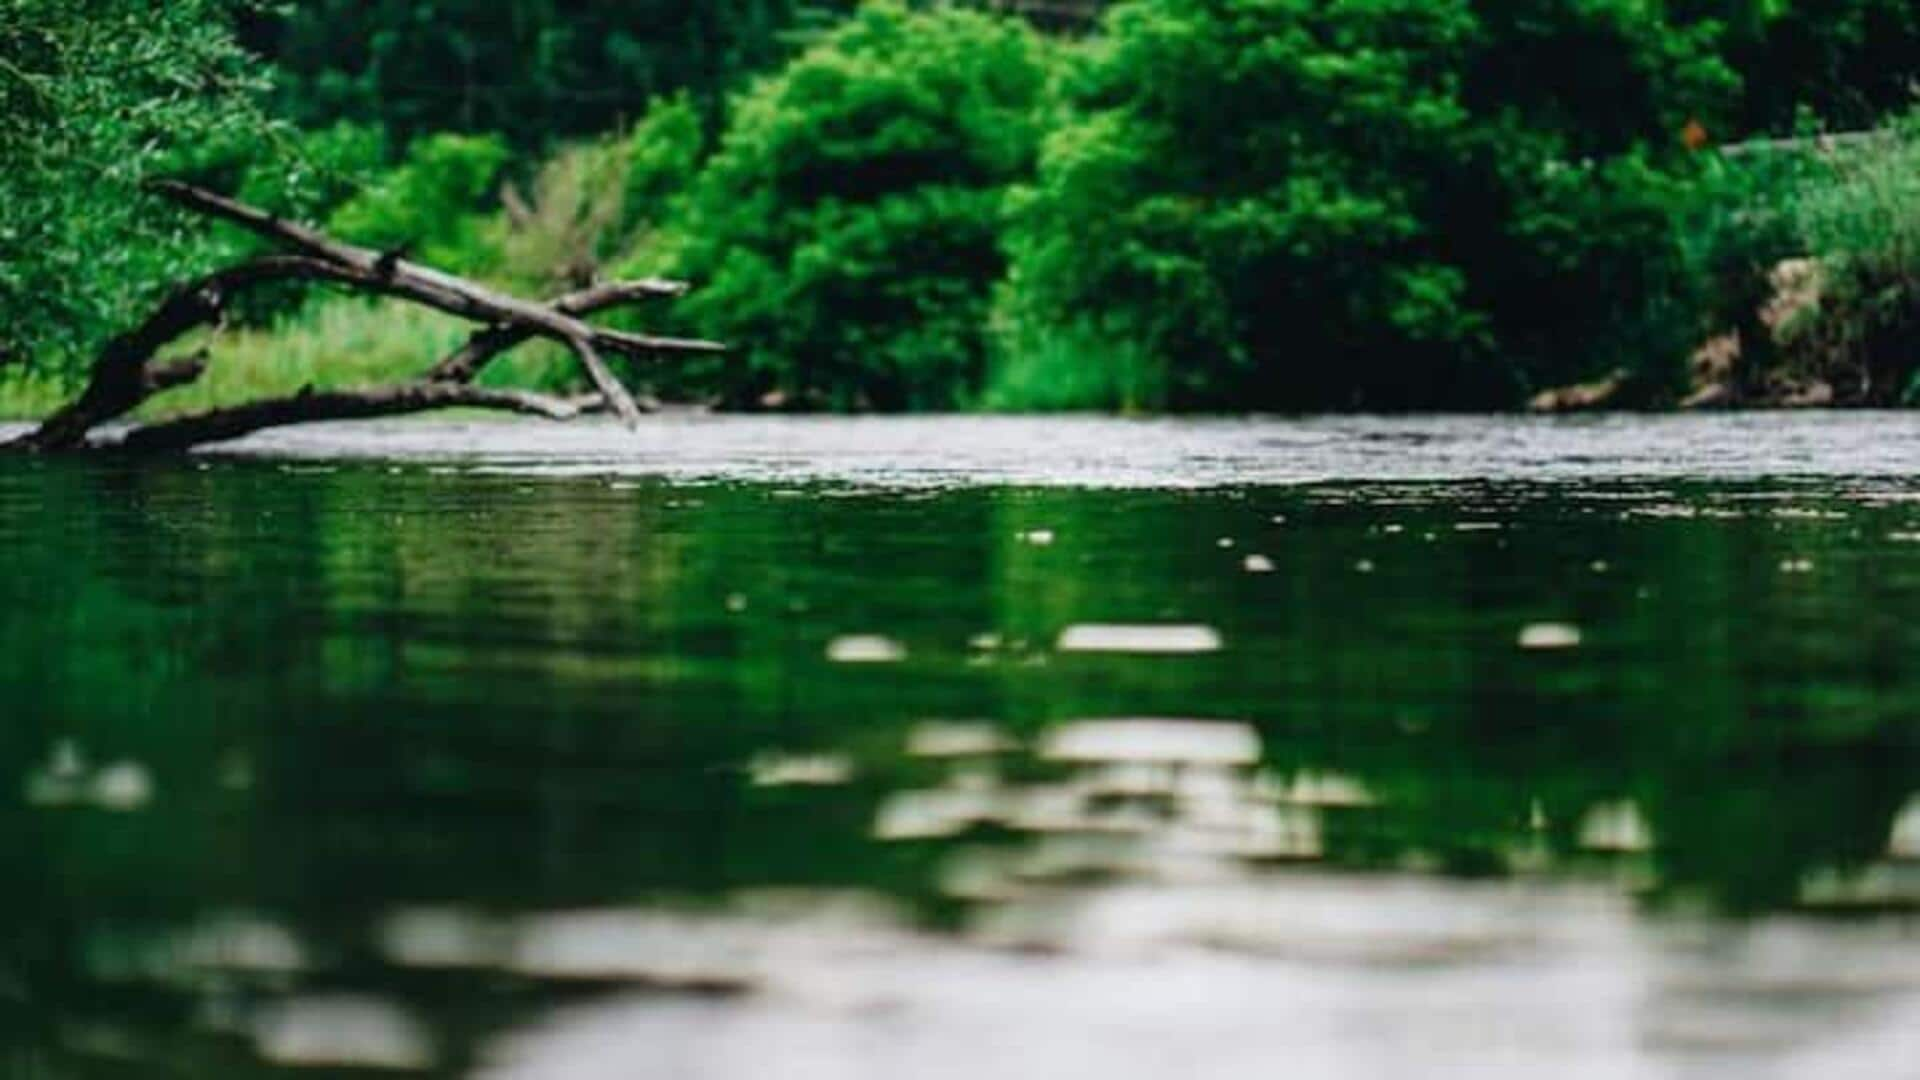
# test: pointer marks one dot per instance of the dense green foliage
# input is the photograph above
(1847, 60)
(849, 223)
(1283, 204)
(1844, 311)
(528, 69)
(427, 203)
(1386, 203)
(329, 630)
(95, 96)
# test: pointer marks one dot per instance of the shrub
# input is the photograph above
(558, 230)
(847, 230)
(664, 153)
(1857, 211)
(598, 203)
(431, 204)
(1371, 204)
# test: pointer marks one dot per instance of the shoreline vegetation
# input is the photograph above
(1142, 206)
(139, 365)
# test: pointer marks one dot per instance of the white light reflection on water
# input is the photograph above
(1106, 452)
(1144, 638)
(343, 1032)
(1156, 913)
(1316, 975)
(1152, 920)
(865, 649)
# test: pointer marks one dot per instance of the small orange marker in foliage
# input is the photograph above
(1694, 135)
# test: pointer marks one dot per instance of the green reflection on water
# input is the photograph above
(362, 687)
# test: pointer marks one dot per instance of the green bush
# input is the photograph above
(1809, 249)
(1857, 212)
(1065, 371)
(847, 232)
(432, 204)
(664, 153)
(316, 173)
(1369, 204)
(599, 203)
(560, 227)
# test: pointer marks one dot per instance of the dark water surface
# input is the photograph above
(968, 749)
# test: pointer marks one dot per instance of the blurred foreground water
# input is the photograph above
(966, 748)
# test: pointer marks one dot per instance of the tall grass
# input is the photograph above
(1859, 216)
(560, 233)
(333, 343)
(336, 342)
(1072, 369)
(26, 394)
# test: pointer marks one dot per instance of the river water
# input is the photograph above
(968, 748)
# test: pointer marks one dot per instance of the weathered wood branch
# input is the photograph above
(164, 375)
(127, 372)
(381, 272)
(466, 363)
(121, 380)
(216, 425)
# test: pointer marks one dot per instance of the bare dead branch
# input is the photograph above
(164, 375)
(120, 380)
(385, 273)
(217, 425)
(127, 371)
(465, 364)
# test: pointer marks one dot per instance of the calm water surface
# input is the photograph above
(968, 748)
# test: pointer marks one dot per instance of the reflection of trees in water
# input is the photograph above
(1737, 705)
(357, 690)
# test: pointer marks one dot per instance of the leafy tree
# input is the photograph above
(428, 204)
(848, 227)
(664, 154)
(1367, 203)
(95, 97)
(532, 70)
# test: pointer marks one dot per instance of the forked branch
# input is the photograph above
(128, 370)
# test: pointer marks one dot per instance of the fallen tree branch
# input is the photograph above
(120, 379)
(163, 375)
(386, 273)
(216, 425)
(127, 371)
(465, 364)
